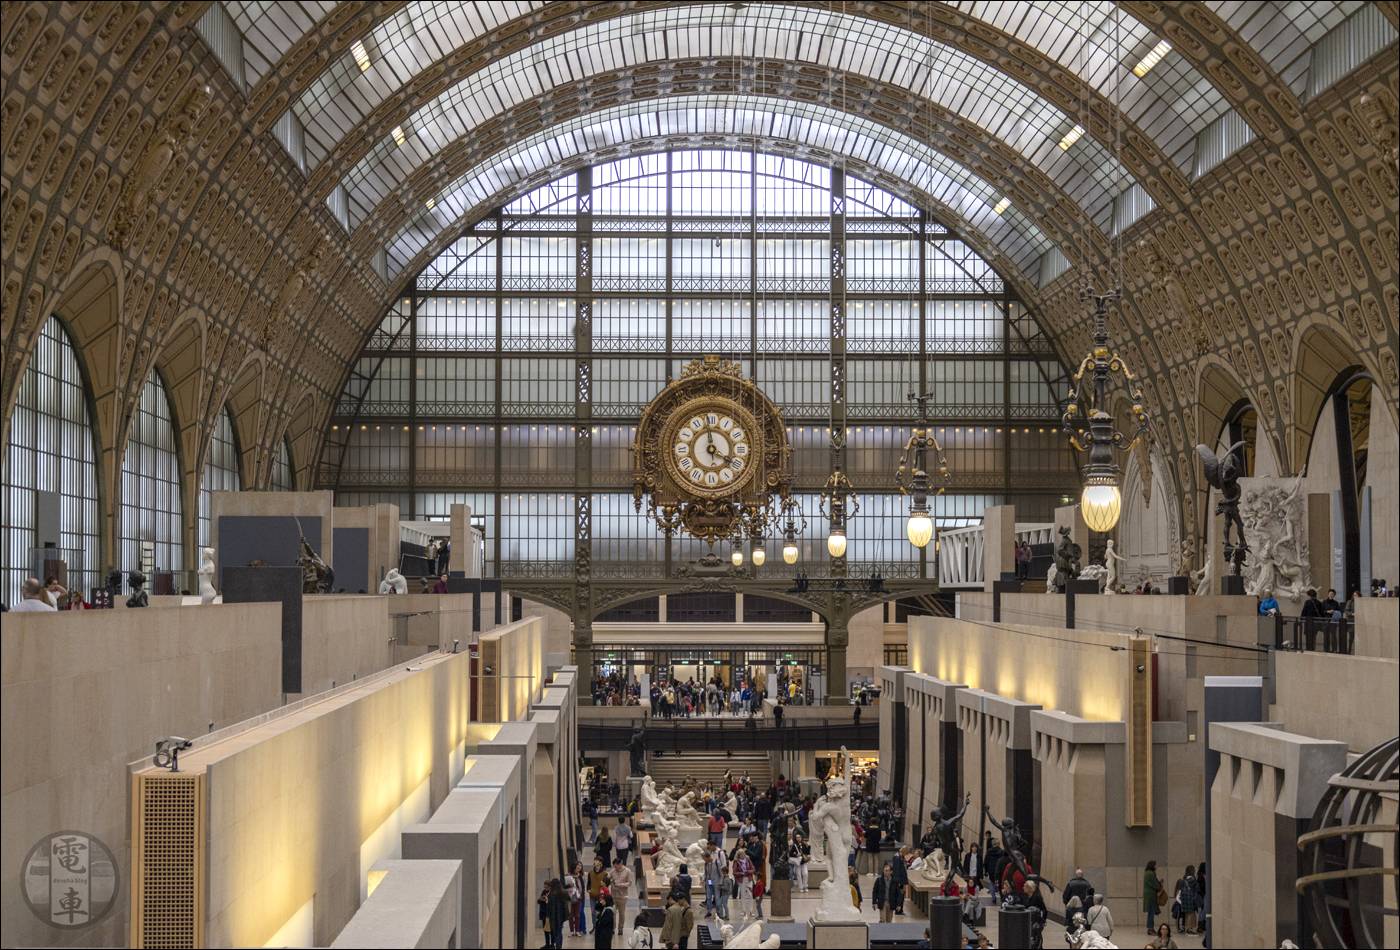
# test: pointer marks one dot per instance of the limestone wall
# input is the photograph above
(85, 692)
(343, 637)
(1267, 787)
(1347, 698)
(302, 801)
(1378, 626)
(512, 669)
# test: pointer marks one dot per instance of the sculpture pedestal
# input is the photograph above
(1014, 928)
(780, 905)
(945, 922)
(837, 934)
(1178, 585)
(685, 837)
(1232, 584)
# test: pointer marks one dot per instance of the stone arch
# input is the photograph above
(302, 435)
(244, 401)
(1324, 353)
(179, 366)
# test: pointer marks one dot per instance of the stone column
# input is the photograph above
(461, 536)
(999, 545)
(1079, 531)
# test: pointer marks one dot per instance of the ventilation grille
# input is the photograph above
(1140, 733)
(167, 852)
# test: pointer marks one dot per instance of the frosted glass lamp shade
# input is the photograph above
(1101, 505)
(759, 555)
(737, 556)
(790, 553)
(836, 542)
(919, 528)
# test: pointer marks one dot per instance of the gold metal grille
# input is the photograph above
(167, 853)
(1140, 733)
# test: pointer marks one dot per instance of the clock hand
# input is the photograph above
(715, 451)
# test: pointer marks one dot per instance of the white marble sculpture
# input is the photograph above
(1110, 563)
(668, 859)
(206, 576)
(830, 822)
(1204, 579)
(393, 583)
(1275, 523)
(665, 826)
(936, 866)
(1094, 572)
(686, 813)
(750, 938)
(731, 804)
(695, 856)
(1050, 578)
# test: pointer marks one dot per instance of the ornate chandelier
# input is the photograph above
(1102, 498)
(920, 524)
(838, 494)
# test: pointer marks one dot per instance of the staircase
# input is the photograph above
(705, 767)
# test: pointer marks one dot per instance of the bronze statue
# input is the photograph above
(945, 831)
(1067, 557)
(1223, 474)
(637, 750)
(1016, 845)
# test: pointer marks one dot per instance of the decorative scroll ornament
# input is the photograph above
(711, 454)
(174, 133)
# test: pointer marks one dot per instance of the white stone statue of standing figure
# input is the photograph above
(830, 822)
(1110, 563)
(206, 576)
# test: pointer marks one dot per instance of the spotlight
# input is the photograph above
(168, 752)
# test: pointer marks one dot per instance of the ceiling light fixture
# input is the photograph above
(920, 525)
(431, 202)
(1001, 205)
(1071, 137)
(1152, 59)
(361, 54)
(398, 135)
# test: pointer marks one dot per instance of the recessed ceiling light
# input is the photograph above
(1152, 59)
(361, 55)
(1002, 205)
(431, 202)
(398, 134)
(1071, 137)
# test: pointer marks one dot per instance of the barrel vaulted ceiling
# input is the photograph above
(426, 115)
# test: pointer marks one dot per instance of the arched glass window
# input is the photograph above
(282, 478)
(220, 471)
(50, 449)
(595, 289)
(152, 506)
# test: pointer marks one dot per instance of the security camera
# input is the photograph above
(168, 752)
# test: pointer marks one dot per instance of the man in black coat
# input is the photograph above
(1080, 888)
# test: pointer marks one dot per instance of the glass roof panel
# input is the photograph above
(398, 48)
(963, 85)
(271, 27)
(1171, 103)
(967, 196)
(1283, 31)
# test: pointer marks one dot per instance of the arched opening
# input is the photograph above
(221, 469)
(152, 515)
(51, 480)
(1338, 462)
(283, 478)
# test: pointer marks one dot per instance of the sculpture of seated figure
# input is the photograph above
(393, 583)
(668, 859)
(686, 813)
(731, 805)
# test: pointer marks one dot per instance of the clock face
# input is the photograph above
(710, 449)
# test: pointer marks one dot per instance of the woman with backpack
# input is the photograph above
(573, 890)
(1188, 896)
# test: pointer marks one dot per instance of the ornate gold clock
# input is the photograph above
(711, 452)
